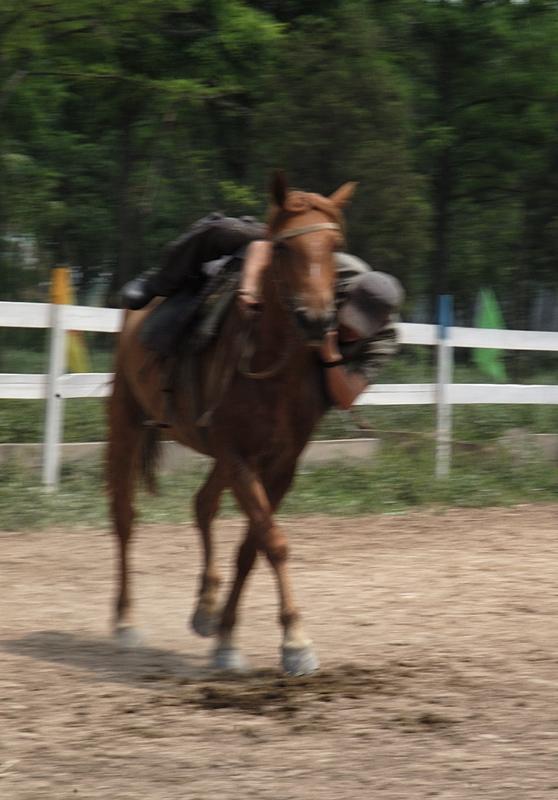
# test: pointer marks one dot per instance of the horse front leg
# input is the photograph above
(264, 535)
(125, 435)
(226, 654)
(205, 619)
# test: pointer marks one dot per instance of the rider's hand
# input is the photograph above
(329, 349)
(248, 303)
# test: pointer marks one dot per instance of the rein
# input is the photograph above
(243, 345)
(248, 348)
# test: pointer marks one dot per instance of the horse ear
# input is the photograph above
(343, 195)
(278, 187)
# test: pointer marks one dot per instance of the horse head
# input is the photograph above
(306, 229)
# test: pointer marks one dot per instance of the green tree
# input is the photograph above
(121, 123)
(484, 87)
(335, 108)
(135, 141)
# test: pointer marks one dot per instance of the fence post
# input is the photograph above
(54, 403)
(445, 376)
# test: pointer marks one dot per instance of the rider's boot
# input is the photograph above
(138, 292)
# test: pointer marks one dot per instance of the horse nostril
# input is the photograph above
(301, 319)
(314, 328)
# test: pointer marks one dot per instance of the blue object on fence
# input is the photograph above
(445, 315)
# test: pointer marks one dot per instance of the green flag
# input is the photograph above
(488, 315)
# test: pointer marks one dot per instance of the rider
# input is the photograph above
(367, 301)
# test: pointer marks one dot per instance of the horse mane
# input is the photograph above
(299, 202)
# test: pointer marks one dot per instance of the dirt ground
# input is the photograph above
(436, 632)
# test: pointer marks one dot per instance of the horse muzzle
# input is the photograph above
(314, 327)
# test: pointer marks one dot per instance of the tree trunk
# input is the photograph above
(125, 267)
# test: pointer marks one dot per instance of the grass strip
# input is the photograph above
(401, 478)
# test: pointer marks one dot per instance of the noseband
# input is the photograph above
(318, 226)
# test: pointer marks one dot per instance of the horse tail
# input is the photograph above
(150, 455)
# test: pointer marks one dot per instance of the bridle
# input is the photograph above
(283, 358)
(290, 234)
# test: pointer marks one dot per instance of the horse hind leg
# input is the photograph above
(125, 438)
(205, 619)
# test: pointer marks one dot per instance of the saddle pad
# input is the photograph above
(168, 321)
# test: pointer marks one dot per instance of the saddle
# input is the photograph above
(189, 318)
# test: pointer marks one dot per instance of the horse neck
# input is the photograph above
(276, 330)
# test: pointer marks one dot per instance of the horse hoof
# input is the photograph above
(129, 637)
(299, 661)
(229, 659)
(204, 624)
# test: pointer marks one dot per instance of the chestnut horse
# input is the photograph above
(255, 399)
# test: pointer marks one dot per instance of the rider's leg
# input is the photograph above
(208, 239)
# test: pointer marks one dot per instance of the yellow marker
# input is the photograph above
(62, 293)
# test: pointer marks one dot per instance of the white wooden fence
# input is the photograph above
(56, 386)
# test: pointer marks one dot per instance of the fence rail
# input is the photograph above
(56, 385)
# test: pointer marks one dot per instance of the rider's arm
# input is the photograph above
(345, 384)
(257, 259)
(343, 387)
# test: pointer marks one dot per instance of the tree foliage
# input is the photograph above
(121, 123)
